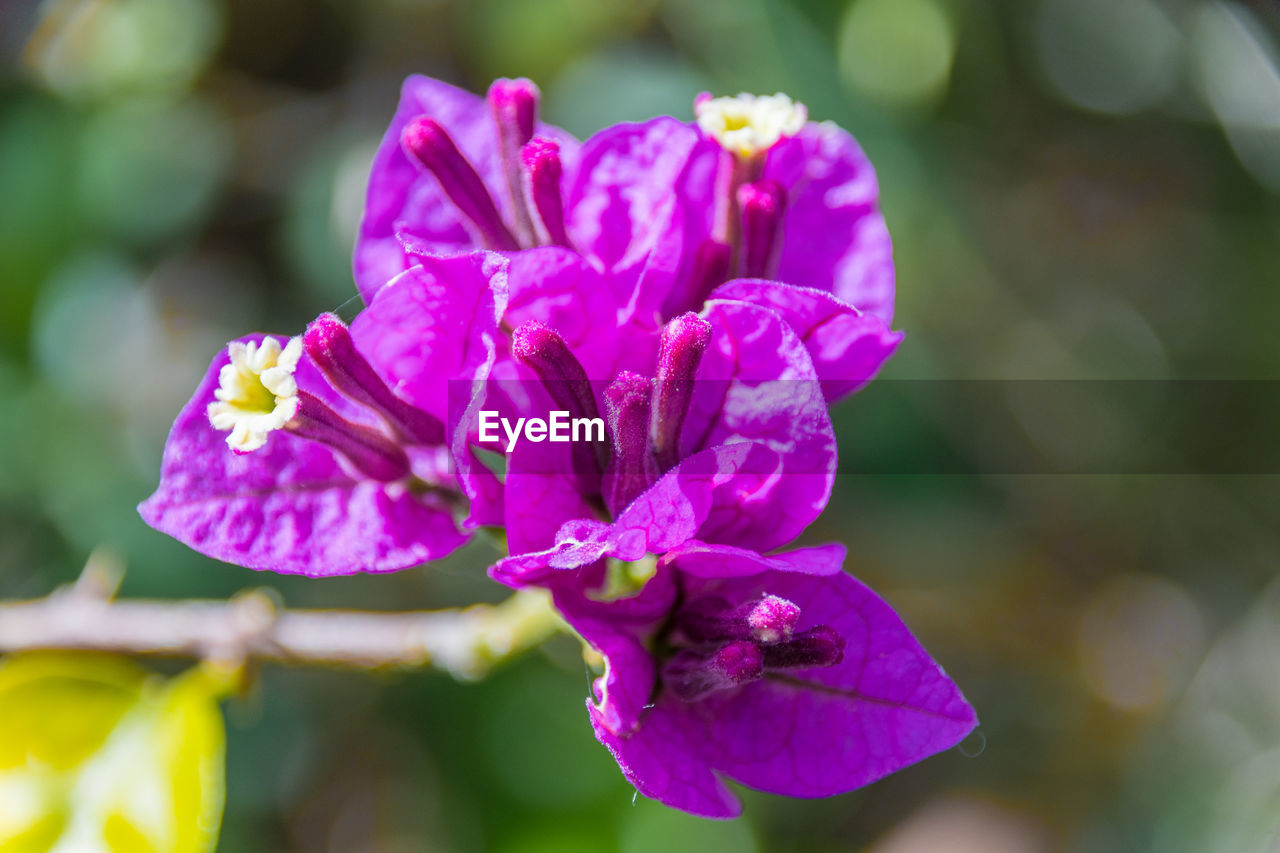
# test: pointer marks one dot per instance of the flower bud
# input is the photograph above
(543, 351)
(514, 104)
(428, 144)
(329, 344)
(820, 646)
(367, 450)
(540, 159)
(691, 675)
(680, 350)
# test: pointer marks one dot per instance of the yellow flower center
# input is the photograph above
(750, 124)
(256, 391)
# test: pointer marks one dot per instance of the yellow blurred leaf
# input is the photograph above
(99, 756)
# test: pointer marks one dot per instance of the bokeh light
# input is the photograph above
(1113, 56)
(897, 52)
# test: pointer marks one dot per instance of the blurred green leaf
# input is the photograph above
(654, 827)
(897, 52)
(149, 169)
(36, 206)
(514, 37)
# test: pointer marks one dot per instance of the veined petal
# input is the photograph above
(800, 732)
(834, 236)
(637, 204)
(756, 383)
(847, 347)
(827, 730)
(290, 506)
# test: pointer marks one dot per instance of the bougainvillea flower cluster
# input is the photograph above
(703, 290)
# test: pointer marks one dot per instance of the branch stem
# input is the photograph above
(463, 642)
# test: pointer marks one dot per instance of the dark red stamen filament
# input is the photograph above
(369, 451)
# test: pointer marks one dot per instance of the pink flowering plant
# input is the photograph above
(700, 291)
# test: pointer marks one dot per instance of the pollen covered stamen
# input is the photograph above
(256, 393)
(749, 125)
(428, 144)
(719, 646)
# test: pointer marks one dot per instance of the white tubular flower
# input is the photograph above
(750, 124)
(256, 391)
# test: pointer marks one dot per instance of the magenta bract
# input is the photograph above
(780, 672)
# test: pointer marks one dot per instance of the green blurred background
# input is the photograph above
(1077, 189)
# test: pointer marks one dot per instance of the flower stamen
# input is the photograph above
(256, 393)
(749, 125)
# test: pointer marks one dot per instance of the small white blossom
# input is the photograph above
(750, 124)
(256, 391)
